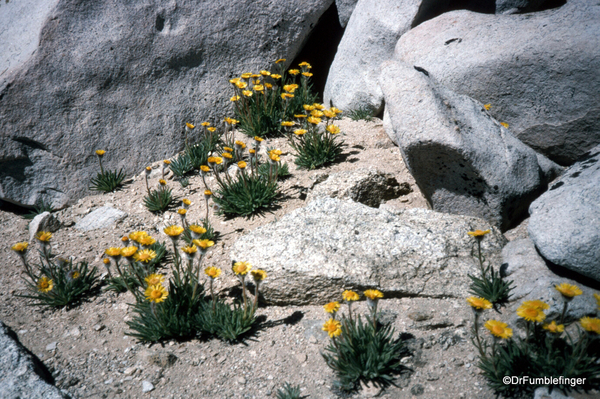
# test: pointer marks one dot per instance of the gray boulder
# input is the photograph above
(369, 39)
(534, 280)
(313, 253)
(463, 160)
(368, 187)
(519, 6)
(565, 220)
(43, 222)
(22, 375)
(101, 218)
(125, 78)
(539, 71)
(345, 8)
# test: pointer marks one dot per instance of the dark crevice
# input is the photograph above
(320, 48)
(160, 23)
(30, 143)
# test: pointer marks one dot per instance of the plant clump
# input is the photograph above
(107, 180)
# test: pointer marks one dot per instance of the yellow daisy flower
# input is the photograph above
(479, 303)
(537, 304)
(242, 165)
(313, 120)
(212, 272)
(373, 294)
(591, 324)
(154, 279)
(279, 61)
(204, 244)
(100, 152)
(504, 124)
(568, 290)
(173, 230)
(300, 132)
(258, 275)
(44, 236)
(287, 123)
(275, 76)
(20, 247)
(145, 255)
(241, 268)
(332, 307)
(197, 229)
(247, 93)
(156, 293)
(234, 98)
(531, 313)
(307, 74)
(350, 296)
(333, 328)
(487, 107)
(498, 329)
(191, 250)
(294, 72)
(113, 252)
(146, 241)
(554, 328)
(478, 233)
(333, 129)
(128, 251)
(204, 168)
(44, 284)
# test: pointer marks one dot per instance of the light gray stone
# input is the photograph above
(518, 6)
(565, 220)
(368, 187)
(345, 8)
(147, 386)
(313, 253)
(538, 70)
(462, 159)
(101, 218)
(22, 375)
(43, 222)
(126, 77)
(534, 280)
(369, 39)
(543, 393)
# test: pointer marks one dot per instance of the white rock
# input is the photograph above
(147, 386)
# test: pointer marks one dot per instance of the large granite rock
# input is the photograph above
(45, 221)
(313, 253)
(125, 77)
(534, 280)
(369, 39)
(565, 220)
(22, 375)
(345, 8)
(463, 160)
(539, 71)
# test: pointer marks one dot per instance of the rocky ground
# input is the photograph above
(90, 356)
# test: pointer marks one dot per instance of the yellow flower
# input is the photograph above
(333, 129)
(373, 294)
(568, 290)
(128, 251)
(294, 72)
(212, 272)
(308, 107)
(285, 96)
(274, 157)
(329, 114)
(167, 162)
(287, 123)
(228, 149)
(276, 76)
(211, 129)
(318, 106)
(242, 164)
(531, 313)
(162, 182)
(258, 88)
(146, 241)
(275, 151)
(255, 75)
(173, 230)
(537, 304)
(217, 160)
(332, 307)
(136, 235)
(145, 255)
(227, 155)
(100, 152)
(307, 74)
(156, 293)
(73, 274)
(350, 296)
(316, 113)
(186, 202)
(241, 85)
(487, 107)
(290, 88)
(300, 132)
(258, 275)
(204, 244)
(241, 144)
(241, 268)
(333, 328)
(148, 169)
(205, 124)
(44, 284)
(478, 233)
(279, 61)
(20, 247)
(246, 75)
(204, 168)
(190, 250)
(154, 279)
(259, 139)
(113, 252)
(590, 324)
(336, 110)
(268, 85)
(498, 329)
(231, 121)
(124, 239)
(265, 73)
(44, 236)
(197, 229)
(313, 120)
(504, 124)
(235, 98)
(106, 261)
(207, 193)
(300, 116)
(247, 93)
(306, 64)
(479, 303)
(252, 151)
(553, 327)
(234, 81)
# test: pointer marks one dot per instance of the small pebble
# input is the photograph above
(51, 346)
(147, 386)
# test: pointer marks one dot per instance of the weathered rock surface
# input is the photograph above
(43, 222)
(368, 187)
(463, 160)
(369, 39)
(313, 253)
(565, 220)
(101, 218)
(518, 6)
(125, 78)
(534, 280)
(345, 8)
(538, 70)
(22, 375)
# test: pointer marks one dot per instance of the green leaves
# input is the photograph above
(315, 149)
(247, 194)
(491, 287)
(159, 200)
(107, 181)
(289, 392)
(226, 322)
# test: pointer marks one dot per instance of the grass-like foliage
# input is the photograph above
(264, 99)
(364, 353)
(159, 200)
(181, 165)
(246, 195)
(107, 181)
(289, 391)
(132, 274)
(283, 170)
(38, 209)
(56, 282)
(226, 322)
(363, 113)
(490, 285)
